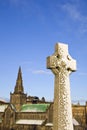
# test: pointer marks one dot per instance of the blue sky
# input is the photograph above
(29, 30)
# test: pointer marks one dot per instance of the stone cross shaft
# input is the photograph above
(62, 64)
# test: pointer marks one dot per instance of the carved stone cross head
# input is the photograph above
(61, 59)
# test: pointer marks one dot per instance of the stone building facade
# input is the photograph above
(25, 112)
(80, 114)
(30, 113)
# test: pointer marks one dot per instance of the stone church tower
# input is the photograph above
(18, 98)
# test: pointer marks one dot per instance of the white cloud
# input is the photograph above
(75, 13)
(41, 72)
(72, 10)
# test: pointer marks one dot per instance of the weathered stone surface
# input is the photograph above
(62, 64)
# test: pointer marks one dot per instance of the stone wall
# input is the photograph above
(80, 114)
(31, 115)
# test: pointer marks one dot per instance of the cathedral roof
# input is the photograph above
(29, 122)
(34, 107)
(3, 107)
(49, 124)
(39, 122)
(75, 122)
(4, 100)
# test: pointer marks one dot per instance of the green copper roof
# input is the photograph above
(34, 107)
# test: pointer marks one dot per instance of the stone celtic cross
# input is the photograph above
(62, 64)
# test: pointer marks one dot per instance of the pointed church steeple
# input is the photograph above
(19, 83)
(18, 97)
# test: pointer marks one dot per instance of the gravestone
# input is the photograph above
(62, 64)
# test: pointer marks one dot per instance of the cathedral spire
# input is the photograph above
(19, 83)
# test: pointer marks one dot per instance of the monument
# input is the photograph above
(62, 64)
